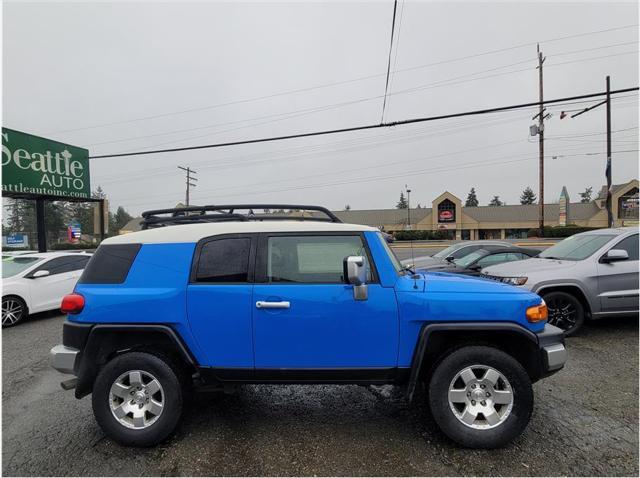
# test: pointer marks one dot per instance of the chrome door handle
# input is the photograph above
(261, 304)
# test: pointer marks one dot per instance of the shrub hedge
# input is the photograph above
(559, 231)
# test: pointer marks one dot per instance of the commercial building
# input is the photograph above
(490, 222)
(447, 214)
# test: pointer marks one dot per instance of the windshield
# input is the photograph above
(576, 248)
(12, 266)
(470, 258)
(443, 254)
(397, 265)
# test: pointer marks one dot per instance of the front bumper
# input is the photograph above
(553, 354)
(64, 358)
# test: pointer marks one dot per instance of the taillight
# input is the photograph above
(72, 304)
(537, 313)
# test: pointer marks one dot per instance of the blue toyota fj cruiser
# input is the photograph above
(222, 297)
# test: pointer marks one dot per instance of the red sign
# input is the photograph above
(445, 216)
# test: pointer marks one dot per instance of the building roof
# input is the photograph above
(378, 217)
(529, 212)
(194, 232)
(602, 194)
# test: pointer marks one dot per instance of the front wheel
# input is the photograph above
(138, 399)
(565, 311)
(481, 397)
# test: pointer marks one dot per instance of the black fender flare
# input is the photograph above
(103, 338)
(429, 328)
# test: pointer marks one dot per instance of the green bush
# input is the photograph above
(419, 235)
(559, 231)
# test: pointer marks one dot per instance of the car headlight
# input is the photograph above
(515, 280)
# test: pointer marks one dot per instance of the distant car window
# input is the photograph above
(12, 266)
(629, 244)
(497, 259)
(311, 259)
(576, 248)
(60, 265)
(224, 260)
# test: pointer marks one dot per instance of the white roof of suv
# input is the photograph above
(195, 232)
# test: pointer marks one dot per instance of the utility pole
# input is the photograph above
(190, 178)
(541, 146)
(608, 170)
(606, 102)
(408, 206)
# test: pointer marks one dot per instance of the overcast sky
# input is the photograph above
(71, 66)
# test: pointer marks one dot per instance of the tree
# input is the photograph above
(586, 195)
(402, 202)
(528, 196)
(418, 206)
(496, 201)
(472, 199)
(347, 207)
(121, 218)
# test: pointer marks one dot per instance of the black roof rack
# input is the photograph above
(229, 212)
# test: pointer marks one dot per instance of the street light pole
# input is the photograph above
(408, 206)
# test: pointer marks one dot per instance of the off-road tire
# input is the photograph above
(441, 380)
(172, 384)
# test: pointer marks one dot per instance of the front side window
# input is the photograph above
(311, 259)
(629, 244)
(60, 265)
(576, 248)
(224, 260)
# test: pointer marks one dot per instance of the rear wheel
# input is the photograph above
(14, 310)
(565, 311)
(138, 399)
(481, 397)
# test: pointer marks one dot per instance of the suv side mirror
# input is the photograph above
(40, 273)
(355, 272)
(615, 255)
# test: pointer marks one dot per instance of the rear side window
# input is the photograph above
(60, 265)
(110, 264)
(224, 260)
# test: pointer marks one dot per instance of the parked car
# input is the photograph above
(238, 300)
(454, 251)
(473, 263)
(37, 282)
(589, 275)
(388, 237)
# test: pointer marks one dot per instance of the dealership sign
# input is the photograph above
(37, 166)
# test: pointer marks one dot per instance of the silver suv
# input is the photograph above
(593, 274)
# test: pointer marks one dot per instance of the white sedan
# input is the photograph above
(37, 282)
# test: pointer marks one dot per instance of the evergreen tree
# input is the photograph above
(528, 196)
(402, 202)
(586, 195)
(120, 218)
(472, 199)
(496, 201)
(418, 206)
(347, 207)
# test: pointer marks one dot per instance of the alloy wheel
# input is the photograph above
(12, 312)
(136, 399)
(480, 397)
(562, 313)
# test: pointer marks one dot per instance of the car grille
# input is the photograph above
(496, 278)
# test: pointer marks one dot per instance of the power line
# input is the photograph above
(365, 127)
(306, 111)
(386, 86)
(327, 85)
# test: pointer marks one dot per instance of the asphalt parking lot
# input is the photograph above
(585, 423)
